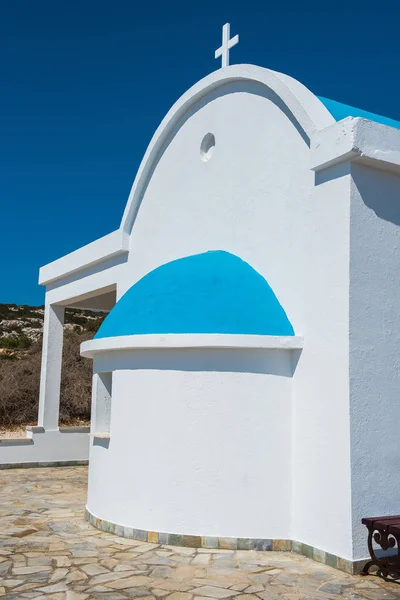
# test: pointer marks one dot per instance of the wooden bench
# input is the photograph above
(384, 531)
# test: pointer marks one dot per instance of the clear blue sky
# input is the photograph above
(85, 84)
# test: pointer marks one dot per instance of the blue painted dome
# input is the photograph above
(213, 292)
(340, 111)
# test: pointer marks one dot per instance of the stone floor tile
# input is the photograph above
(179, 596)
(43, 560)
(173, 586)
(138, 592)
(161, 571)
(127, 582)
(93, 569)
(131, 594)
(272, 594)
(109, 563)
(107, 577)
(128, 566)
(74, 576)
(109, 596)
(51, 589)
(213, 592)
(224, 582)
(253, 589)
(10, 583)
(29, 570)
(331, 588)
(252, 568)
(181, 550)
(57, 575)
(201, 559)
(61, 561)
(4, 568)
(159, 560)
(71, 595)
(239, 587)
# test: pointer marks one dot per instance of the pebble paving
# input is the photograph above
(48, 550)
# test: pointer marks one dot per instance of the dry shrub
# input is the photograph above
(19, 388)
(76, 379)
(20, 381)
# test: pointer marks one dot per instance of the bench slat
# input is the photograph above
(370, 521)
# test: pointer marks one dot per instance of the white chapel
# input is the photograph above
(246, 381)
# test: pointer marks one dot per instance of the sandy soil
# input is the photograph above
(19, 431)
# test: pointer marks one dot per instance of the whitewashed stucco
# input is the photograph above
(374, 345)
(255, 198)
(196, 450)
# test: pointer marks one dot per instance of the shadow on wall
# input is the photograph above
(103, 443)
(379, 191)
(331, 173)
(265, 361)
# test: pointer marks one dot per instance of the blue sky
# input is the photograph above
(85, 84)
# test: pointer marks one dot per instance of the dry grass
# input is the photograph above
(20, 380)
(13, 432)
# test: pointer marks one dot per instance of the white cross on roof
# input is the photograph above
(227, 44)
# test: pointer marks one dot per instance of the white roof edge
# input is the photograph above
(92, 348)
(102, 249)
(306, 108)
(356, 139)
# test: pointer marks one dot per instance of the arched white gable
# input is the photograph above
(307, 110)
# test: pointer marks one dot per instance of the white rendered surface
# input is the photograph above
(227, 44)
(374, 346)
(256, 198)
(358, 140)
(219, 414)
(112, 245)
(64, 445)
(91, 348)
(49, 398)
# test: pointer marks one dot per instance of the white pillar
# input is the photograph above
(50, 378)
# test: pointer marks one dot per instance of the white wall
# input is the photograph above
(321, 444)
(68, 444)
(374, 347)
(200, 443)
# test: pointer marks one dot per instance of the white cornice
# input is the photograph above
(110, 246)
(359, 140)
(92, 348)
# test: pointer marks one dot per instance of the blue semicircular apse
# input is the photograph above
(213, 292)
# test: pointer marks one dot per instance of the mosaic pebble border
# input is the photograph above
(195, 541)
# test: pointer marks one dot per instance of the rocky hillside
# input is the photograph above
(22, 326)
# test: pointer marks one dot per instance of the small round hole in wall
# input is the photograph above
(207, 147)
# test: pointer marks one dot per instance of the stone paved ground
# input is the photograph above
(47, 550)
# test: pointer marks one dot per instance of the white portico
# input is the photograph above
(252, 289)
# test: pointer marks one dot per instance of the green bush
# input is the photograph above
(21, 342)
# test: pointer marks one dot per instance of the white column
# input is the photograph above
(50, 378)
